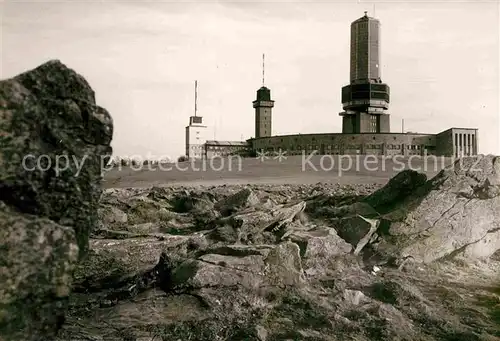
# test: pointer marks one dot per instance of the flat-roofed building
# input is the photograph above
(214, 148)
(457, 142)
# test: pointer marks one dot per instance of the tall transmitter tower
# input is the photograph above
(366, 99)
(195, 131)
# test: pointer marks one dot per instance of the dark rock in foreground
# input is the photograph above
(49, 114)
(53, 138)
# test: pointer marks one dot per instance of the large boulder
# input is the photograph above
(54, 139)
(457, 213)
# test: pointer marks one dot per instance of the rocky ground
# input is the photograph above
(301, 262)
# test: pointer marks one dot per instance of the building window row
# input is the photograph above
(373, 146)
(336, 147)
(367, 146)
(393, 146)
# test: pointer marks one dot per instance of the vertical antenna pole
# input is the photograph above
(263, 68)
(195, 97)
(374, 10)
(403, 125)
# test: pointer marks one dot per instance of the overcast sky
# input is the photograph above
(441, 60)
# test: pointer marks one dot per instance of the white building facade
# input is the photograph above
(195, 138)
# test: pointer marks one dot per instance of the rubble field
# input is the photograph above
(415, 259)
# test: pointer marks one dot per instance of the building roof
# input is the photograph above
(365, 18)
(226, 143)
(338, 134)
(456, 128)
(461, 128)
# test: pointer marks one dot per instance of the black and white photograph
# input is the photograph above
(315, 170)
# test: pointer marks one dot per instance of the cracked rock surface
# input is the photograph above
(53, 137)
(455, 214)
(301, 262)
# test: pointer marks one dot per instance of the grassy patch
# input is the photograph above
(304, 314)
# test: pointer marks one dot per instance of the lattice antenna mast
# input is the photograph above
(195, 97)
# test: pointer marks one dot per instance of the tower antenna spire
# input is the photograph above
(195, 97)
(263, 68)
